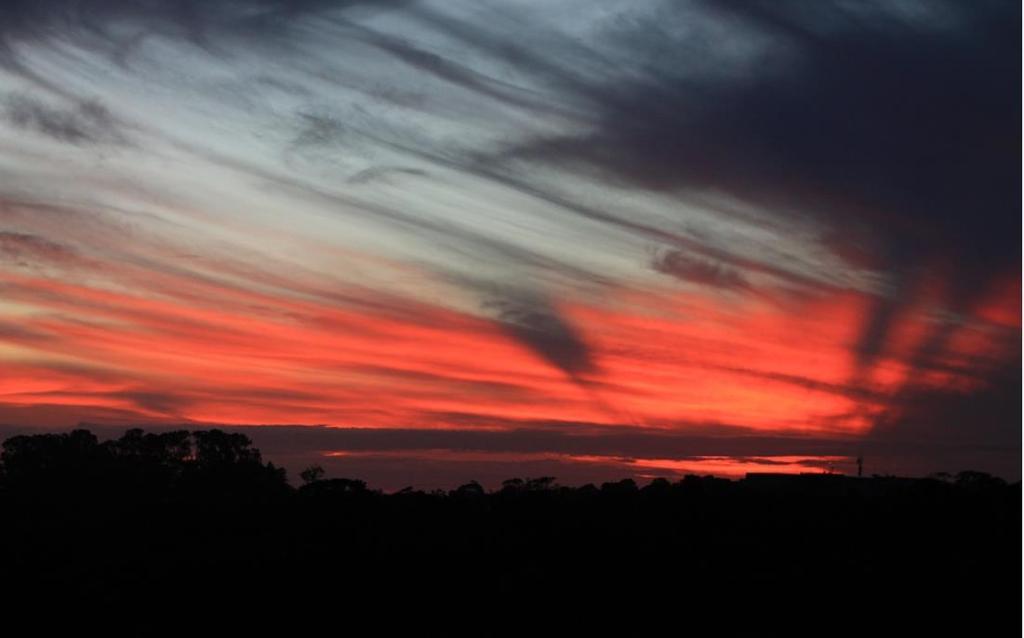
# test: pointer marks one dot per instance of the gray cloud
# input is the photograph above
(163, 402)
(534, 322)
(381, 172)
(847, 390)
(195, 18)
(26, 249)
(694, 269)
(580, 439)
(86, 122)
(12, 332)
(863, 127)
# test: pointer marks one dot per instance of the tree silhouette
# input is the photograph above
(148, 516)
(311, 474)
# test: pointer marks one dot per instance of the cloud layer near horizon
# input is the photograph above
(785, 221)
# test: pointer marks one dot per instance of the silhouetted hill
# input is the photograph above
(138, 520)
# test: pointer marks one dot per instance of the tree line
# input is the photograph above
(150, 515)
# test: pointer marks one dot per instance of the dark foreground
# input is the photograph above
(181, 521)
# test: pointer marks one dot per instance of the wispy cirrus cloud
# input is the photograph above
(83, 123)
(659, 214)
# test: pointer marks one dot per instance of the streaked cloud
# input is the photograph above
(795, 220)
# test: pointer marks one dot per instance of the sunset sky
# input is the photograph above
(482, 239)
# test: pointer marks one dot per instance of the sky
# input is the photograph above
(423, 242)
